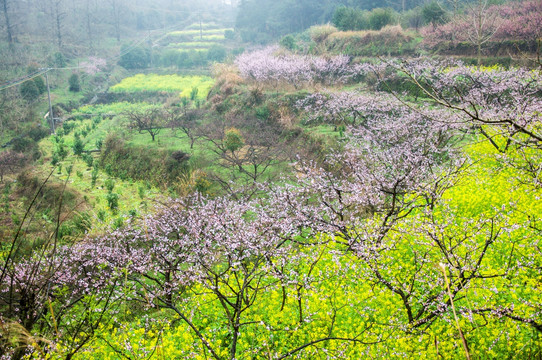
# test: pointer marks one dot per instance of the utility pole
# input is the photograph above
(51, 117)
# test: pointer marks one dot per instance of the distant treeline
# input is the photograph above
(266, 20)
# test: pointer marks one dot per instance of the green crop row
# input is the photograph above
(165, 83)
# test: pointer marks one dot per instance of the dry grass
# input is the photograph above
(16, 336)
(391, 39)
(320, 33)
(388, 33)
(227, 78)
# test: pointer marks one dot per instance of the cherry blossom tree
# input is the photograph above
(270, 66)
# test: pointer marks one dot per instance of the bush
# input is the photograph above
(216, 53)
(78, 146)
(229, 34)
(59, 60)
(233, 140)
(29, 91)
(40, 84)
(378, 18)
(288, 42)
(109, 185)
(88, 159)
(26, 145)
(37, 132)
(94, 174)
(112, 201)
(433, 13)
(137, 58)
(75, 85)
(346, 18)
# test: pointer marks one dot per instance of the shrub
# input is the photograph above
(346, 18)
(78, 146)
(94, 174)
(109, 185)
(68, 126)
(288, 42)
(88, 159)
(194, 93)
(216, 53)
(233, 140)
(29, 91)
(136, 58)
(378, 18)
(229, 34)
(40, 84)
(37, 132)
(59, 60)
(433, 13)
(75, 85)
(112, 201)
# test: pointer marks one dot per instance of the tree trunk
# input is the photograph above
(8, 23)
(58, 22)
(89, 26)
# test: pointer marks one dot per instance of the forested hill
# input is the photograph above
(263, 20)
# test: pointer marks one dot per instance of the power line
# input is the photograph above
(19, 81)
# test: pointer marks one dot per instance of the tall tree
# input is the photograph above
(483, 25)
(59, 16)
(116, 6)
(9, 28)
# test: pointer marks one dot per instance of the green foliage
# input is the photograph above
(78, 146)
(29, 91)
(347, 18)
(59, 60)
(88, 159)
(378, 18)
(216, 53)
(433, 13)
(94, 175)
(233, 140)
(135, 58)
(75, 84)
(194, 93)
(40, 84)
(229, 34)
(288, 42)
(141, 163)
(109, 185)
(262, 112)
(68, 126)
(112, 201)
(60, 152)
